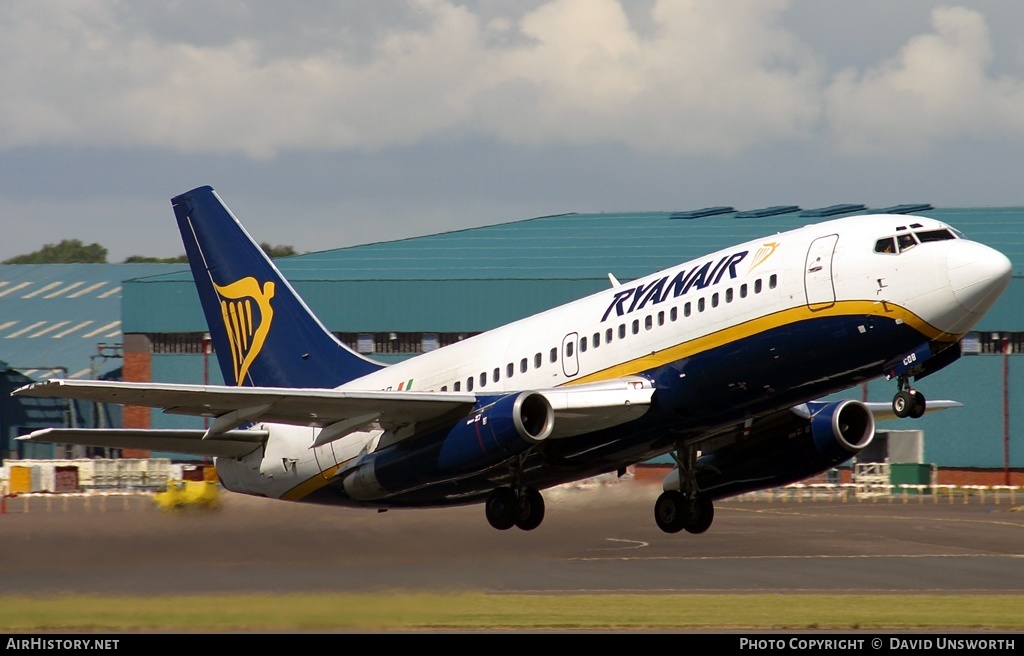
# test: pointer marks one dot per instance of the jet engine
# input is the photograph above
(784, 449)
(497, 429)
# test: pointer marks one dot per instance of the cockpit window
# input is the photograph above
(934, 235)
(906, 242)
(887, 245)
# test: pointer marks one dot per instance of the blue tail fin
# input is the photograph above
(264, 334)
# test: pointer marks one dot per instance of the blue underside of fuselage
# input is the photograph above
(715, 389)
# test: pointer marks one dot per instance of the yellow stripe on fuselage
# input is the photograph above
(311, 485)
(763, 324)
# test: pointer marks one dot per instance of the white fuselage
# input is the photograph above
(938, 284)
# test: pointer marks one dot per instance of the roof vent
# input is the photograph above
(833, 210)
(767, 211)
(696, 214)
(905, 209)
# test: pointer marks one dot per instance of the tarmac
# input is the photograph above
(595, 538)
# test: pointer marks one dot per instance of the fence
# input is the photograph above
(84, 474)
(883, 492)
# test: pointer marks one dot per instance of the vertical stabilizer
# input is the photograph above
(264, 334)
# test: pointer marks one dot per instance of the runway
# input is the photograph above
(600, 538)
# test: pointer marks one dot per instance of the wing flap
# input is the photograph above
(230, 444)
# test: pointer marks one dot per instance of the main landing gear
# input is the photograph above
(674, 511)
(522, 507)
(686, 508)
(908, 402)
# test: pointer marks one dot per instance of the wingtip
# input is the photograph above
(38, 385)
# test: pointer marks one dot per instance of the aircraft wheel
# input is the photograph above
(502, 508)
(530, 509)
(918, 407)
(705, 514)
(670, 511)
(902, 403)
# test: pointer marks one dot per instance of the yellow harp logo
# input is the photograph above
(763, 253)
(247, 318)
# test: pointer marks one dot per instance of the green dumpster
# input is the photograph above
(911, 474)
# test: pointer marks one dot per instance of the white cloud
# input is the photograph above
(700, 77)
(713, 76)
(936, 89)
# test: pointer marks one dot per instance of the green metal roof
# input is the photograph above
(52, 316)
(474, 279)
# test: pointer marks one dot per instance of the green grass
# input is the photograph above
(478, 611)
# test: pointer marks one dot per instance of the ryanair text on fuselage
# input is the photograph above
(655, 292)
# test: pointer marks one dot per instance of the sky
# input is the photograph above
(331, 123)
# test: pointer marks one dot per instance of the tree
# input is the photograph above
(139, 259)
(276, 251)
(73, 251)
(271, 251)
(68, 251)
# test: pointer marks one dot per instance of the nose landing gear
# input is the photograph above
(908, 402)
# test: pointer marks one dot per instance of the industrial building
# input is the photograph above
(394, 299)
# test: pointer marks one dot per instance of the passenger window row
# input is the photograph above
(609, 334)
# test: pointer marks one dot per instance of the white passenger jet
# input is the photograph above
(717, 362)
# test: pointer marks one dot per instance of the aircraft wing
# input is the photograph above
(578, 409)
(589, 407)
(883, 411)
(232, 406)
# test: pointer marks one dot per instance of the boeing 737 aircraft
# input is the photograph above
(718, 362)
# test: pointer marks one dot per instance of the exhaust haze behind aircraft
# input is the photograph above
(717, 362)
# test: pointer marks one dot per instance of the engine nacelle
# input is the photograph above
(495, 432)
(498, 428)
(815, 438)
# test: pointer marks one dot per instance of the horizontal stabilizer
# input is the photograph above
(230, 444)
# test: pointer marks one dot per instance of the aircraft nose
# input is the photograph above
(977, 274)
